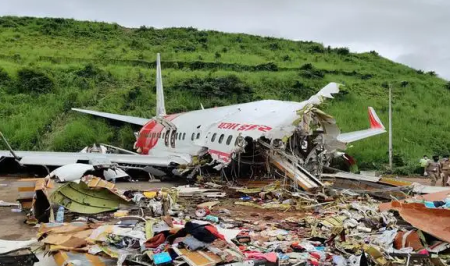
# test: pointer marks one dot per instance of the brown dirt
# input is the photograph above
(12, 226)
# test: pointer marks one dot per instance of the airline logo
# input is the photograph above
(244, 127)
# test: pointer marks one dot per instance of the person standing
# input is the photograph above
(433, 169)
(423, 164)
(445, 168)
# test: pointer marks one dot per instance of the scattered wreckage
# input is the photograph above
(257, 223)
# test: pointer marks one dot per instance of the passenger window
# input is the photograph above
(230, 137)
(193, 136)
(221, 138)
(153, 135)
(198, 135)
(164, 135)
(184, 136)
(176, 136)
(213, 137)
(159, 135)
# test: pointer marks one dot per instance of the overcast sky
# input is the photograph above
(413, 32)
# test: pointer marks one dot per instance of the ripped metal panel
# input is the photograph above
(437, 196)
(296, 173)
(80, 198)
(432, 221)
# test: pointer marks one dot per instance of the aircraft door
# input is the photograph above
(167, 138)
(173, 138)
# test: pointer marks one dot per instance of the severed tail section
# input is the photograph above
(160, 105)
(376, 128)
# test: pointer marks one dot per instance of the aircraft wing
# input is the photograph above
(63, 158)
(123, 118)
(376, 128)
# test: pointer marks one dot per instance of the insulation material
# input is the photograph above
(9, 245)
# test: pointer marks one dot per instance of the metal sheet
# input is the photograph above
(428, 197)
(432, 221)
(71, 172)
(80, 199)
(345, 175)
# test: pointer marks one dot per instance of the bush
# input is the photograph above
(267, 67)
(447, 85)
(274, 46)
(342, 51)
(316, 49)
(34, 81)
(5, 79)
(307, 66)
(310, 72)
(90, 71)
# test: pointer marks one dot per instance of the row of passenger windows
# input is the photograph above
(222, 136)
(179, 136)
(182, 136)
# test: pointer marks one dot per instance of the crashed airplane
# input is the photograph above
(295, 138)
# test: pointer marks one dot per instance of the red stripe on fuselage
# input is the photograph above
(148, 136)
(222, 155)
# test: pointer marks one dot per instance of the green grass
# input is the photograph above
(48, 66)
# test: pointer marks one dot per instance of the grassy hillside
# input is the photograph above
(48, 66)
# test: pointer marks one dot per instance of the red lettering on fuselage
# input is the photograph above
(243, 127)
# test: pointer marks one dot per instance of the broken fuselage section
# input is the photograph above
(292, 139)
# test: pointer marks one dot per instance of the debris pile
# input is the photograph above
(91, 222)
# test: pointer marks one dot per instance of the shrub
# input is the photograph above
(310, 72)
(432, 73)
(267, 67)
(342, 51)
(316, 49)
(5, 79)
(274, 46)
(447, 85)
(34, 81)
